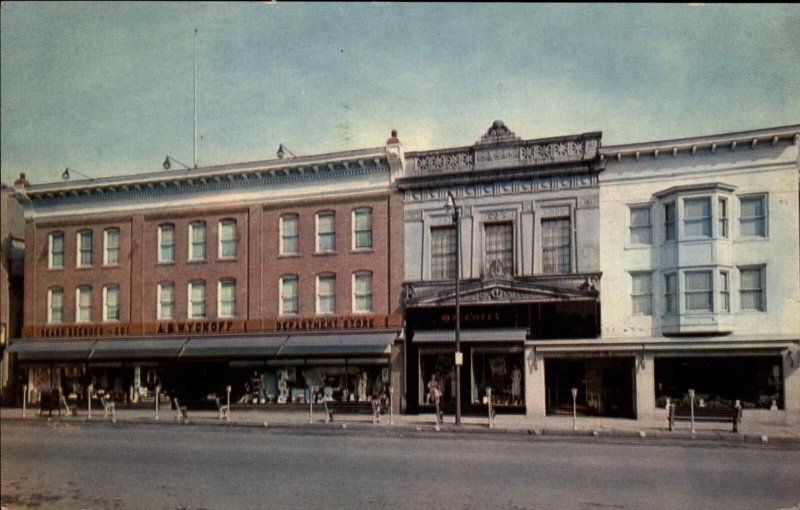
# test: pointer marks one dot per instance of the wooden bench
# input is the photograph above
(731, 415)
(200, 405)
(374, 408)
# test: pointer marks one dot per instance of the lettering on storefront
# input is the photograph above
(301, 324)
(195, 327)
(84, 331)
(472, 317)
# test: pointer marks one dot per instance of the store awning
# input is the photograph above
(137, 348)
(52, 350)
(339, 344)
(470, 335)
(233, 346)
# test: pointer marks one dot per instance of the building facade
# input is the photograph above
(699, 255)
(280, 279)
(12, 246)
(529, 268)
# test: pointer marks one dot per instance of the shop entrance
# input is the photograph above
(605, 386)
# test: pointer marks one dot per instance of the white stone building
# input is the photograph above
(699, 260)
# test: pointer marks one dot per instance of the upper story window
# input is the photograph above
(111, 246)
(289, 297)
(722, 216)
(227, 239)
(165, 301)
(83, 304)
(289, 236)
(642, 293)
(84, 248)
(226, 298)
(111, 303)
(724, 291)
(362, 292)
(55, 250)
(55, 306)
(640, 226)
(669, 222)
(670, 293)
(326, 294)
(326, 232)
(197, 299)
(166, 243)
(499, 247)
(362, 229)
(556, 254)
(697, 217)
(443, 253)
(197, 241)
(753, 216)
(751, 288)
(698, 291)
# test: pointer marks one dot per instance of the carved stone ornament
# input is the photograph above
(412, 216)
(505, 214)
(498, 132)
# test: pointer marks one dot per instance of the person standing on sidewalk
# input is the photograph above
(435, 395)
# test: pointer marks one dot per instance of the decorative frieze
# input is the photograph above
(555, 212)
(502, 215)
(535, 184)
(412, 216)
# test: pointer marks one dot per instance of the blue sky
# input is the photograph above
(106, 88)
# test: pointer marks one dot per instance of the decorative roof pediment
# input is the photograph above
(500, 290)
(498, 132)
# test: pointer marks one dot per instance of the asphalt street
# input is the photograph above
(100, 466)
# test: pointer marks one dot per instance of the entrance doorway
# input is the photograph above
(606, 387)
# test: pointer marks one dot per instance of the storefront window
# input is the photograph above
(500, 371)
(440, 364)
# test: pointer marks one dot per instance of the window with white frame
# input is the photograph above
(165, 301)
(362, 229)
(227, 239)
(751, 288)
(722, 216)
(326, 294)
(326, 232)
(55, 306)
(197, 299)
(697, 217)
(84, 248)
(642, 293)
(166, 243)
(362, 292)
(83, 304)
(226, 298)
(753, 216)
(289, 236)
(111, 303)
(443, 253)
(724, 291)
(111, 246)
(698, 290)
(556, 244)
(640, 225)
(669, 222)
(289, 302)
(55, 250)
(197, 241)
(498, 239)
(670, 293)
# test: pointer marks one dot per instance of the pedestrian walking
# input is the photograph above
(435, 395)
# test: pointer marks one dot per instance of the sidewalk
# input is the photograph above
(751, 432)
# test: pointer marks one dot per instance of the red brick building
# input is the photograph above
(269, 277)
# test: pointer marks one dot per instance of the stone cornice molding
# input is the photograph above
(769, 137)
(215, 178)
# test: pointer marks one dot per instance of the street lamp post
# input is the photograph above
(451, 201)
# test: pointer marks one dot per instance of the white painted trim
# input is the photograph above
(235, 238)
(220, 282)
(105, 244)
(353, 287)
(189, 288)
(105, 301)
(296, 278)
(78, 304)
(317, 295)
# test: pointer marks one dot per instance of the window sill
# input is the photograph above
(165, 264)
(111, 266)
(751, 239)
(228, 259)
(288, 255)
(325, 253)
(197, 261)
(60, 268)
(83, 267)
(362, 250)
(638, 246)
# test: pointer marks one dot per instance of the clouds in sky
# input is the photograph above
(106, 88)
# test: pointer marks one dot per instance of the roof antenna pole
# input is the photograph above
(195, 97)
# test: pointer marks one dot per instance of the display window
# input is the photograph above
(437, 363)
(500, 370)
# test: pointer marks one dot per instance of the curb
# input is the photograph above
(429, 430)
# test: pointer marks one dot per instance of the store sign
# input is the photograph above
(315, 323)
(195, 327)
(473, 317)
(84, 331)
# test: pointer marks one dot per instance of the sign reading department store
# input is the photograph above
(167, 328)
